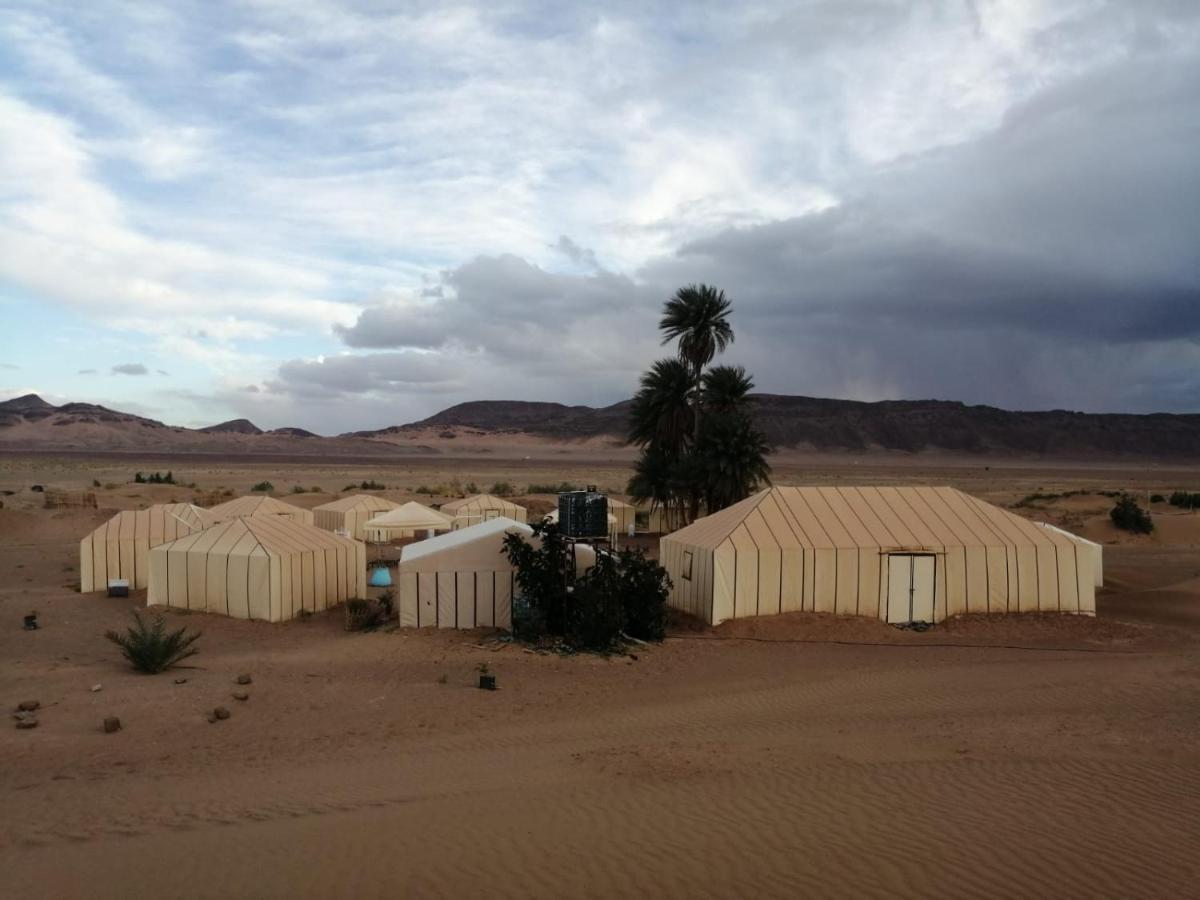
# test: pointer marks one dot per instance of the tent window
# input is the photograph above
(686, 568)
(489, 514)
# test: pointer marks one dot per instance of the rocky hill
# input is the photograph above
(910, 426)
(233, 426)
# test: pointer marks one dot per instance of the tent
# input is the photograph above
(410, 520)
(120, 548)
(623, 514)
(351, 513)
(481, 508)
(462, 579)
(257, 567)
(260, 506)
(1094, 551)
(899, 554)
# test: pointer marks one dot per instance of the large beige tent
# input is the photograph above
(351, 514)
(120, 548)
(410, 520)
(258, 567)
(462, 579)
(260, 506)
(900, 554)
(480, 508)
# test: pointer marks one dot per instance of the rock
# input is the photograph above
(181, 681)
(111, 724)
(244, 679)
(241, 695)
(27, 722)
(28, 705)
(212, 717)
(97, 687)
(221, 712)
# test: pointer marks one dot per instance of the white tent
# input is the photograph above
(410, 520)
(120, 548)
(351, 513)
(259, 506)
(462, 579)
(481, 508)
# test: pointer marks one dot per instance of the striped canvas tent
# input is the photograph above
(900, 554)
(482, 507)
(351, 513)
(260, 506)
(258, 567)
(120, 548)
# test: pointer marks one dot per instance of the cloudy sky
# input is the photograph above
(348, 215)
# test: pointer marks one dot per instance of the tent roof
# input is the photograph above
(887, 517)
(479, 501)
(277, 535)
(462, 537)
(120, 525)
(366, 502)
(410, 515)
(254, 506)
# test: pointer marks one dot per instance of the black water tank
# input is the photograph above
(583, 514)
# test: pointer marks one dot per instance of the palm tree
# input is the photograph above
(697, 316)
(655, 481)
(731, 460)
(661, 415)
(726, 390)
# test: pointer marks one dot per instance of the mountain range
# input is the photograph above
(799, 423)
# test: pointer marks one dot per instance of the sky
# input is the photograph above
(351, 215)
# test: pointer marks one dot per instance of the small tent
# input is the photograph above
(257, 567)
(900, 554)
(260, 506)
(463, 579)
(410, 520)
(120, 548)
(351, 514)
(480, 508)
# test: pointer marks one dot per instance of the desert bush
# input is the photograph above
(95, 482)
(1157, 498)
(471, 487)
(299, 489)
(1185, 500)
(1128, 516)
(154, 478)
(502, 489)
(387, 603)
(151, 648)
(363, 615)
(644, 587)
(372, 485)
(593, 616)
(543, 574)
(560, 488)
(424, 489)
(264, 487)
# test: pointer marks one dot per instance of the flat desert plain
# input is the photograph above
(798, 756)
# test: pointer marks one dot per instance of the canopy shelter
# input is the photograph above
(260, 506)
(481, 508)
(120, 548)
(463, 579)
(257, 567)
(351, 513)
(409, 520)
(900, 554)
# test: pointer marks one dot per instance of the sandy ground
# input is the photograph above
(803, 755)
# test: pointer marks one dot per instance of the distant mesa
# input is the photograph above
(233, 426)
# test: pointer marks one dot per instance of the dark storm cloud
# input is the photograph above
(374, 373)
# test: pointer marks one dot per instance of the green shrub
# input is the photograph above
(387, 603)
(644, 588)
(372, 485)
(560, 488)
(593, 615)
(363, 615)
(502, 489)
(151, 648)
(1185, 500)
(471, 488)
(1128, 516)
(299, 489)
(1157, 498)
(95, 482)
(264, 487)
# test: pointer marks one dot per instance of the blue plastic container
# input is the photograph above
(381, 577)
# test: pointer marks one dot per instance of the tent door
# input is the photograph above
(910, 588)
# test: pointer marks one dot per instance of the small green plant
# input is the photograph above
(1157, 498)
(150, 648)
(1128, 516)
(423, 489)
(483, 669)
(372, 485)
(502, 489)
(299, 489)
(95, 482)
(363, 615)
(264, 487)
(387, 603)
(471, 487)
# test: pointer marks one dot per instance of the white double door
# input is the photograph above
(910, 588)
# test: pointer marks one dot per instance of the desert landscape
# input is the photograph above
(1015, 755)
